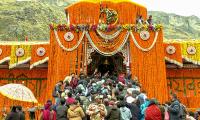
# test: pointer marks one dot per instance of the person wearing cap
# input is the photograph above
(97, 110)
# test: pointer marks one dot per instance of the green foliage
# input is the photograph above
(32, 19)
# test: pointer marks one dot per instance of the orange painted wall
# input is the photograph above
(186, 84)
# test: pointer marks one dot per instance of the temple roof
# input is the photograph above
(114, 1)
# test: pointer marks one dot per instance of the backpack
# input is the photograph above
(182, 112)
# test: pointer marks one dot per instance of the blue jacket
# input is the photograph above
(173, 110)
(143, 108)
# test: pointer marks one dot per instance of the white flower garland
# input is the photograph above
(190, 60)
(141, 48)
(19, 63)
(109, 37)
(4, 60)
(68, 49)
(107, 53)
(39, 62)
(174, 61)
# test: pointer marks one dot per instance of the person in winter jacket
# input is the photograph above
(125, 113)
(153, 112)
(13, 115)
(75, 112)
(20, 112)
(143, 108)
(70, 99)
(97, 110)
(113, 112)
(48, 113)
(174, 108)
(61, 110)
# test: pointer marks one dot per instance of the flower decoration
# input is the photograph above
(41, 51)
(170, 49)
(69, 36)
(105, 27)
(1, 51)
(144, 35)
(191, 50)
(72, 27)
(102, 27)
(94, 27)
(20, 52)
(158, 27)
(111, 16)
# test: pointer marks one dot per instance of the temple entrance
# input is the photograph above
(112, 64)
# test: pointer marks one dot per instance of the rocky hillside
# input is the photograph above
(20, 19)
(178, 27)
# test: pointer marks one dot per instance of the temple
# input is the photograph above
(109, 36)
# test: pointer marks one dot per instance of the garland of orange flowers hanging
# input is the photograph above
(107, 48)
(83, 12)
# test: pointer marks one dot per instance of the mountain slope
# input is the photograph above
(176, 26)
(20, 19)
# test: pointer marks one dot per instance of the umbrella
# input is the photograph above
(18, 92)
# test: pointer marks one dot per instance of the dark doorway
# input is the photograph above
(104, 63)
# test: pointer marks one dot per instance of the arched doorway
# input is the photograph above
(113, 64)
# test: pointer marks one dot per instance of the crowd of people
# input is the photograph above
(115, 97)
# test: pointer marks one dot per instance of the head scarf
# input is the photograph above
(46, 112)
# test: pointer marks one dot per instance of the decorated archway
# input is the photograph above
(110, 28)
(111, 64)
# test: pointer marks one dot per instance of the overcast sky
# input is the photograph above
(180, 7)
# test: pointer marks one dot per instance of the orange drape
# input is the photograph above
(34, 57)
(177, 56)
(107, 46)
(62, 63)
(149, 67)
(84, 13)
(6, 49)
(186, 84)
